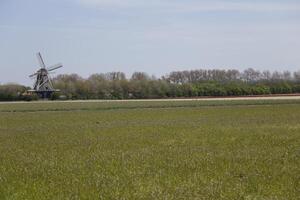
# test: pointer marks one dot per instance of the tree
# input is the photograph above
(12, 92)
(251, 75)
(115, 76)
(188, 83)
(98, 86)
(140, 76)
(297, 76)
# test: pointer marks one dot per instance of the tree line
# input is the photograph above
(193, 83)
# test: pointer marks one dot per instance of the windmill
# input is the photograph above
(43, 85)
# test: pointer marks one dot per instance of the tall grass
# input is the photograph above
(172, 151)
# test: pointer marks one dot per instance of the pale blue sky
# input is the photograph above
(155, 36)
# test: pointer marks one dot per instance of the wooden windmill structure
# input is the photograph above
(43, 86)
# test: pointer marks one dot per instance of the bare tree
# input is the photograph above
(251, 75)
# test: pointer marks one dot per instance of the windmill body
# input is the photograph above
(43, 85)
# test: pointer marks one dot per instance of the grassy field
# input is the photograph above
(150, 150)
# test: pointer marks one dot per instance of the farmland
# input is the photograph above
(150, 150)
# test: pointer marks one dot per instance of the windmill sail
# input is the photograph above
(32, 75)
(40, 59)
(54, 67)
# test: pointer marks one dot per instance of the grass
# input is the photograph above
(150, 150)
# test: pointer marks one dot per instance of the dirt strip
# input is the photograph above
(175, 99)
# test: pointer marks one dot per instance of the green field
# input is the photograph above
(151, 150)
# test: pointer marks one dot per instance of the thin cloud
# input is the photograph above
(188, 6)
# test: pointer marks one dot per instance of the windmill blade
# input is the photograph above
(40, 59)
(32, 75)
(54, 67)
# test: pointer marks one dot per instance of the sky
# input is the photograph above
(154, 36)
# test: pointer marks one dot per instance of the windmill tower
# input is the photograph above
(43, 85)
